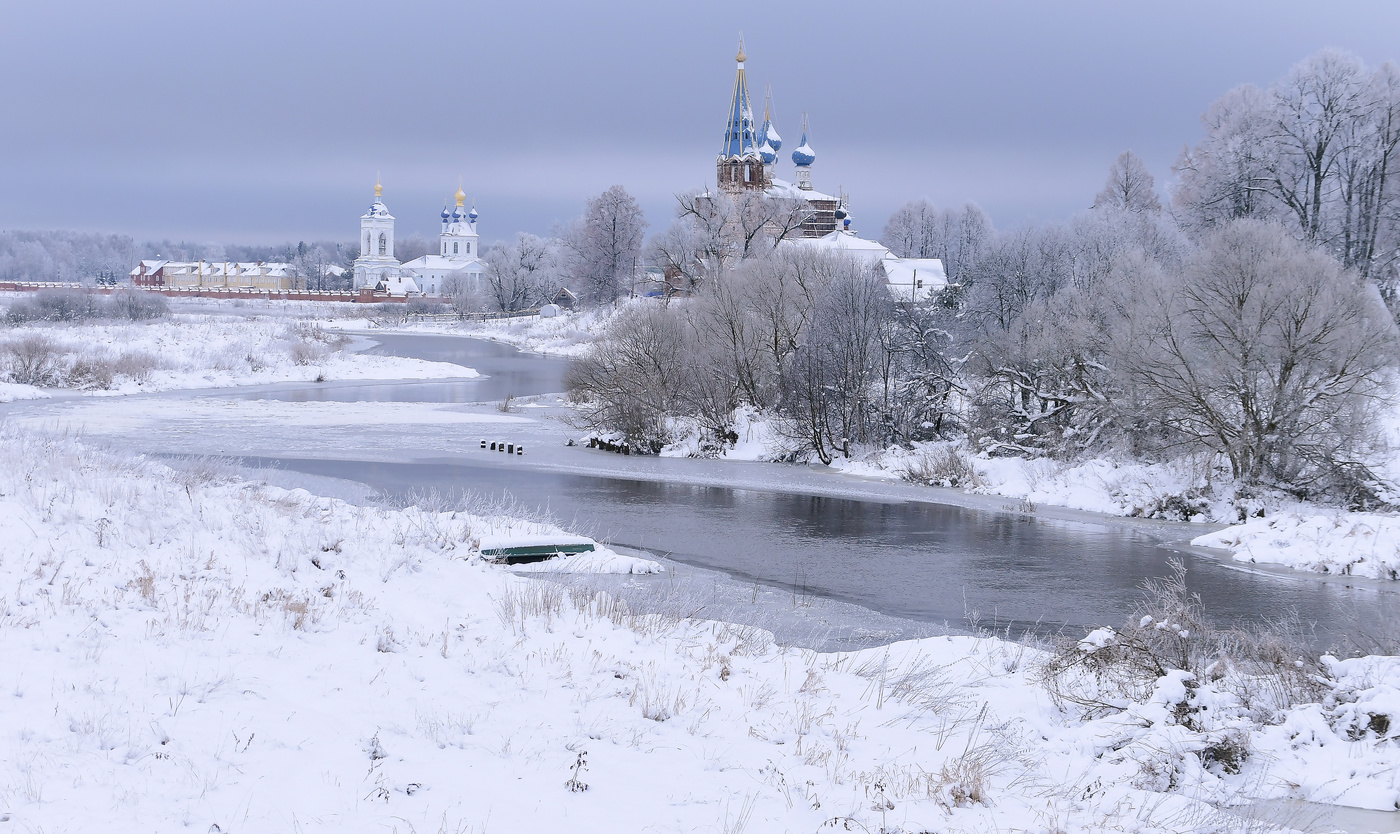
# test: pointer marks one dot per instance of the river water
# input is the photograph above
(881, 549)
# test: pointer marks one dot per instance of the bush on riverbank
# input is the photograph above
(75, 306)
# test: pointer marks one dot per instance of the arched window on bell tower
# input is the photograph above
(383, 244)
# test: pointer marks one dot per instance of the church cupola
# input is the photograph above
(768, 134)
(459, 241)
(739, 165)
(803, 157)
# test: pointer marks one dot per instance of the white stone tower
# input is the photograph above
(376, 243)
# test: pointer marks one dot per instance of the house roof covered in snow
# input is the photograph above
(783, 188)
(842, 241)
(914, 279)
(441, 263)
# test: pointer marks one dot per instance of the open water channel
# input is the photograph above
(884, 547)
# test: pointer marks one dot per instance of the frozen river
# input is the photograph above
(876, 547)
(905, 552)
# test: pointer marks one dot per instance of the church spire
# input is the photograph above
(739, 140)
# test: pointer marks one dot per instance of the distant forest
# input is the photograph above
(85, 256)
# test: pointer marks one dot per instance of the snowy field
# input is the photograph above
(189, 351)
(191, 651)
(188, 650)
(198, 651)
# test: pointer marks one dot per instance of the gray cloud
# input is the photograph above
(266, 121)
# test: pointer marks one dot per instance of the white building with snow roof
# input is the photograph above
(457, 266)
(917, 280)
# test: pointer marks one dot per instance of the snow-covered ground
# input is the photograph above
(1350, 544)
(188, 351)
(187, 651)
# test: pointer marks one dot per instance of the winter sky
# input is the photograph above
(267, 120)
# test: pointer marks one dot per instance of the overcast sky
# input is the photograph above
(263, 121)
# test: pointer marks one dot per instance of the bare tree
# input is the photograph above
(830, 384)
(1266, 352)
(713, 232)
(522, 273)
(634, 379)
(1130, 187)
(606, 244)
(920, 230)
(1317, 148)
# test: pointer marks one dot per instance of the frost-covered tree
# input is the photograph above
(311, 265)
(1130, 187)
(714, 232)
(1226, 176)
(1265, 351)
(523, 272)
(1317, 149)
(605, 245)
(831, 382)
(918, 229)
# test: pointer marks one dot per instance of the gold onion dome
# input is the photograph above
(460, 196)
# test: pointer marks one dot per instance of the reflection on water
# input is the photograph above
(927, 562)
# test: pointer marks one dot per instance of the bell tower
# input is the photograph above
(376, 242)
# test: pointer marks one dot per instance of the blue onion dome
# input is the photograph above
(456, 214)
(472, 215)
(768, 153)
(770, 135)
(445, 214)
(804, 155)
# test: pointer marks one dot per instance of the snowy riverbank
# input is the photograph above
(190, 650)
(187, 351)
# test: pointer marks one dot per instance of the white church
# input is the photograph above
(456, 268)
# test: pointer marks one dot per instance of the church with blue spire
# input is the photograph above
(749, 157)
